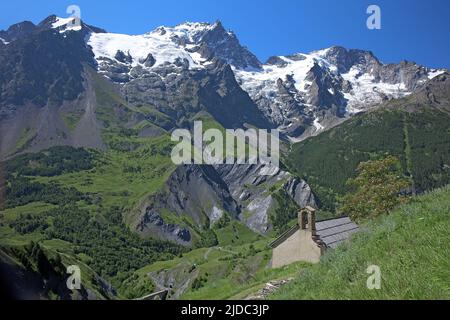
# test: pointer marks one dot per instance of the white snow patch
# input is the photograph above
(263, 82)
(3, 40)
(295, 139)
(164, 43)
(352, 110)
(162, 48)
(319, 57)
(368, 92)
(198, 59)
(317, 125)
(61, 22)
(267, 77)
(434, 73)
(321, 53)
(192, 31)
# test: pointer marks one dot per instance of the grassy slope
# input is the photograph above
(227, 271)
(410, 246)
(217, 265)
(122, 178)
(131, 169)
(118, 179)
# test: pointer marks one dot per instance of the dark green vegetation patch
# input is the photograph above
(53, 162)
(420, 140)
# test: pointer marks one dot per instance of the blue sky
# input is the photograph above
(416, 30)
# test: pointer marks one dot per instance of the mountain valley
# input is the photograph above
(86, 118)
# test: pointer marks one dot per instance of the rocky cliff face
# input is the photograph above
(17, 31)
(181, 93)
(196, 192)
(253, 191)
(432, 96)
(206, 193)
(222, 44)
(42, 73)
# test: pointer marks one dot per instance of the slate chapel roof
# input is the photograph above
(331, 232)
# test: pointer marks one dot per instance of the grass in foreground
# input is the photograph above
(410, 246)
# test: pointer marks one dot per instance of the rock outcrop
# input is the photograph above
(206, 193)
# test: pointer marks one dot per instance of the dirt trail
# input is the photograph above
(269, 288)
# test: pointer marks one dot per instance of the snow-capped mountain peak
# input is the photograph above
(150, 50)
(190, 32)
(302, 93)
(322, 86)
(191, 44)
